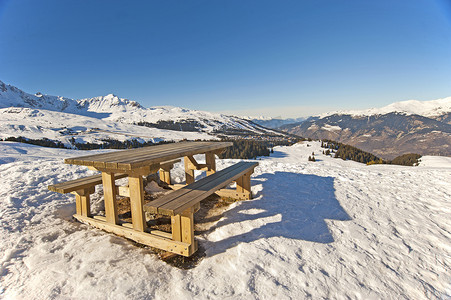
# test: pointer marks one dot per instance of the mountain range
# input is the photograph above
(422, 127)
(110, 117)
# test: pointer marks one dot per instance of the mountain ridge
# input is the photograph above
(99, 118)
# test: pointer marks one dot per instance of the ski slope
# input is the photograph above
(327, 229)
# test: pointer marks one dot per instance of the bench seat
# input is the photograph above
(80, 183)
(178, 201)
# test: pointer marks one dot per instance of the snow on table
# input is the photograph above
(326, 229)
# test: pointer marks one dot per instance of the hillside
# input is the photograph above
(399, 128)
(324, 229)
(99, 118)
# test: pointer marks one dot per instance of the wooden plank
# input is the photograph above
(176, 227)
(109, 195)
(125, 159)
(122, 161)
(187, 224)
(78, 204)
(168, 165)
(140, 237)
(165, 176)
(181, 204)
(200, 150)
(153, 206)
(229, 193)
(146, 158)
(116, 158)
(123, 191)
(135, 184)
(210, 161)
(80, 183)
(85, 201)
(146, 170)
(189, 173)
(100, 218)
(140, 154)
(243, 184)
(166, 235)
(179, 200)
(104, 156)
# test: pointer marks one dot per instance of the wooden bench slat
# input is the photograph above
(184, 190)
(79, 184)
(181, 203)
(179, 200)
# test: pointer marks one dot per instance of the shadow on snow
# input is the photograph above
(295, 206)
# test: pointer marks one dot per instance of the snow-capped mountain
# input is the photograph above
(430, 109)
(422, 127)
(60, 118)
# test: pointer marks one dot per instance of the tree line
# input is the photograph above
(345, 152)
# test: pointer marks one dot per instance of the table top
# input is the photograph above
(140, 157)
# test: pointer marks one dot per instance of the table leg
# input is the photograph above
(135, 183)
(109, 194)
(210, 161)
(189, 173)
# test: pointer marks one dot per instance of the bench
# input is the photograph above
(184, 202)
(82, 188)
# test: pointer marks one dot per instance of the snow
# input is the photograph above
(325, 229)
(58, 118)
(331, 127)
(431, 108)
(435, 161)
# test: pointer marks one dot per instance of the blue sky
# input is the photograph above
(273, 58)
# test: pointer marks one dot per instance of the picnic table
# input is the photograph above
(180, 204)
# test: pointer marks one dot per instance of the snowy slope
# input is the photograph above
(432, 108)
(330, 229)
(45, 114)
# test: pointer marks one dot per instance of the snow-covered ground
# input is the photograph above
(326, 229)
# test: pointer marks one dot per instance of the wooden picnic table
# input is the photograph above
(136, 163)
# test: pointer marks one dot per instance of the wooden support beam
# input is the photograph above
(123, 191)
(176, 228)
(187, 226)
(135, 183)
(210, 161)
(83, 201)
(143, 171)
(231, 193)
(165, 176)
(140, 237)
(183, 228)
(194, 165)
(189, 172)
(109, 194)
(243, 184)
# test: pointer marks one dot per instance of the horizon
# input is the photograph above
(243, 114)
(290, 59)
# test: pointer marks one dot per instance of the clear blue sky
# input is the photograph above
(288, 58)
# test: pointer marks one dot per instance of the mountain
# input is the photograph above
(99, 118)
(422, 127)
(275, 123)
